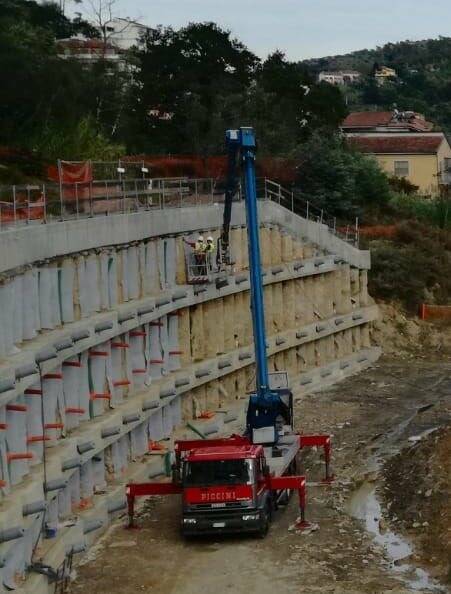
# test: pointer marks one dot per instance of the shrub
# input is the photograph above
(339, 180)
(414, 267)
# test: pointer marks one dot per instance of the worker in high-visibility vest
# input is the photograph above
(209, 251)
(199, 247)
(210, 245)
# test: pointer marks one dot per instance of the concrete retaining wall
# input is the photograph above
(105, 351)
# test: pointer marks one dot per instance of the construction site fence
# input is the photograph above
(435, 312)
(52, 202)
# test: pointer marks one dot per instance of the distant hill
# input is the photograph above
(423, 83)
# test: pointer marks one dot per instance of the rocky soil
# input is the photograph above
(373, 418)
(417, 495)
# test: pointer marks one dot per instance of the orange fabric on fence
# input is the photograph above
(435, 312)
(23, 213)
(379, 231)
(277, 169)
(71, 173)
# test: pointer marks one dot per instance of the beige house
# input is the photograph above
(384, 74)
(422, 158)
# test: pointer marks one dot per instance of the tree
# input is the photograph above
(187, 82)
(335, 178)
(102, 13)
(44, 99)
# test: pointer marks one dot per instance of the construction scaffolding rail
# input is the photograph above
(63, 201)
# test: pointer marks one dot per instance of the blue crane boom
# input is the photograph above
(267, 407)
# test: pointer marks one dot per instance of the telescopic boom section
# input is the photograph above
(233, 149)
(244, 141)
(266, 406)
(257, 303)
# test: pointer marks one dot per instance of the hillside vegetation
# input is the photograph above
(201, 77)
(203, 81)
(423, 83)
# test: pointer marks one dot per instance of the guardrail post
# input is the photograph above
(306, 216)
(91, 209)
(44, 198)
(107, 198)
(335, 225)
(280, 193)
(321, 219)
(211, 189)
(76, 198)
(61, 202)
(136, 195)
(14, 204)
(292, 201)
(195, 191)
(28, 205)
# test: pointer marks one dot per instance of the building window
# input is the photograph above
(401, 168)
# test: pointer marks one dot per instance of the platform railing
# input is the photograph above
(51, 202)
(294, 201)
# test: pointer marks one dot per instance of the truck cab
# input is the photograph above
(224, 490)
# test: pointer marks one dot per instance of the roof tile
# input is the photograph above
(404, 144)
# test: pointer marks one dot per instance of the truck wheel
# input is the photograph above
(265, 521)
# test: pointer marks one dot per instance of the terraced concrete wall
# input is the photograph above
(106, 351)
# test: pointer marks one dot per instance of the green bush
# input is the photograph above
(435, 211)
(338, 179)
(413, 268)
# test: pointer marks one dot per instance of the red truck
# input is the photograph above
(231, 485)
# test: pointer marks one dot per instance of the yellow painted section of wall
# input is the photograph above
(423, 170)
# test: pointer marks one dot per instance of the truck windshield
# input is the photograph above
(218, 472)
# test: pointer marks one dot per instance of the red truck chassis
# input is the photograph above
(271, 483)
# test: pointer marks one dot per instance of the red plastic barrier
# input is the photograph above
(435, 312)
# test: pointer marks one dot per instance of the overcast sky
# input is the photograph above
(303, 28)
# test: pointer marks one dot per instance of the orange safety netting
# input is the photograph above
(75, 179)
(23, 213)
(281, 170)
(379, 231)
(71, 173)
(435, 312)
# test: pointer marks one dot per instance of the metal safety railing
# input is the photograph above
(295, 202)
(52, 202)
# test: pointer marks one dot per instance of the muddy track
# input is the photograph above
(371, 418)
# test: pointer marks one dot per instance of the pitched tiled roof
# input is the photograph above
(360, 119)
(371, 119)
(404, 144)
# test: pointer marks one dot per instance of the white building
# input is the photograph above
(340, 77)
(125, 33)
(88, 51)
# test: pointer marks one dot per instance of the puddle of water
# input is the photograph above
(420, 436)
(364, 505)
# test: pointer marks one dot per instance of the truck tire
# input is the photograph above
(265, 521)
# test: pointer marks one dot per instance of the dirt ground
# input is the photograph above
(371, 417)
(419, 501)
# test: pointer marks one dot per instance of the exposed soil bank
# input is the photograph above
(418, 498)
